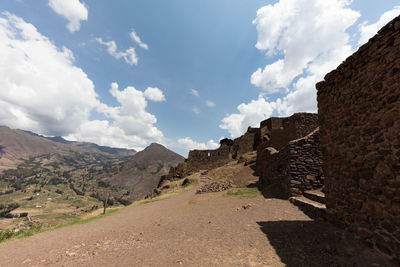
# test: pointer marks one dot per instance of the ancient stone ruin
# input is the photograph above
(359, 111)
(295, 169)
(228, 151)
(288, 156)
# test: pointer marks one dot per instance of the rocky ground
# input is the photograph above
(213, 229)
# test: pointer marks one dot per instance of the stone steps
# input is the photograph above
(313, 209)
(316, 195)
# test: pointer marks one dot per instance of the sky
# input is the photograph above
(182, 73)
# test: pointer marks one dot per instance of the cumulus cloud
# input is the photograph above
(103, 132)
(303, 30)
(132, 116)
(129, 55)
(128, 123)
(44, 92)
(73, 10)
(154, 94)
(41, 89)
(210, 104)
(194, 92)
(137, 39)
(369, 30)
(189, 144)
(249, 115)
(307, 39)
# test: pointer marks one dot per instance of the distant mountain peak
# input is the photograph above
(142, 172)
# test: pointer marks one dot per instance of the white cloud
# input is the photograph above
(210, 104)
(132, 116)
(196, 110)
(102, 132)
(129, 55)
(194, 92)
(73, 10)
(249, 115)
(41, 88)
(44, 92)
(154, 94)
(369, 30)
(189, 144)
(137, 39)
(128, 124)
(303, 30)
(308, 38)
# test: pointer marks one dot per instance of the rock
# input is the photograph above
(214, 187)
(247, 206)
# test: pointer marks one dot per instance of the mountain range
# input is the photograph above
(17, 145)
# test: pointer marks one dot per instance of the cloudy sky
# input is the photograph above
(183, 73)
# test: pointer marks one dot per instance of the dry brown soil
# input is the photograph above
(194, 230)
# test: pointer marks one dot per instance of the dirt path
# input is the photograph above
(193, 230)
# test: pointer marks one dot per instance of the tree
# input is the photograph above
(104, 195)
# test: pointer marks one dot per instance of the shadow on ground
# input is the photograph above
(314, 243)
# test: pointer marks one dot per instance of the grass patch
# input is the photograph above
(85, 220)
(11, 234)
(243, 191)
(35, 229)
(147, 201)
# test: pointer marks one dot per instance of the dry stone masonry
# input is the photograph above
(214, 187)
(288, 157)
(228, 151)
(296, 168)
(359, 111)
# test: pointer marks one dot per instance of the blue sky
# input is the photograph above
(202, 70)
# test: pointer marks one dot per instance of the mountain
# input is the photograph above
(18, 145)
(142, 172)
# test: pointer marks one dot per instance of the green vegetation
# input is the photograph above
(243, 191)
(11, 234)
(54, 188)
(14, 234)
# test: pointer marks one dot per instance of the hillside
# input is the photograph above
(141, 173)
(17, 145)
(54, 180)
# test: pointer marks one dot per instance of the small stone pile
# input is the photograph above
(214, 187)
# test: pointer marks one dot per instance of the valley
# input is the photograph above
(53, 189)
(54, 181)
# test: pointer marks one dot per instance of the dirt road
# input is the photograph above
(194, 230)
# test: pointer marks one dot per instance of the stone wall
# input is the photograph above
(228, 151)
(359, 110)
(277, 132)
(294, 169)
(246, 143)
(273, 132)
(209, 159)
